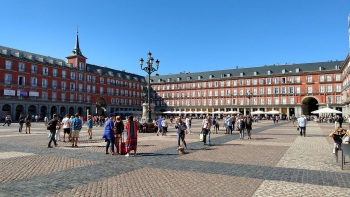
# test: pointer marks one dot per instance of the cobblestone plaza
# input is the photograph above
(277, 161)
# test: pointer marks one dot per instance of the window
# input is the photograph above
(329, 88)
(54, 84)
(309, 89)
(71, 98)
(33, 81)
(21, 81)
(262, 101)
(321, 78)
(247, 81)
(81, 66)
(283, 90)
(321, 89)
(72, 86)
(269, 101)
(63, 85)
(291, 90)
(54, 72)
(275, 80)
(54, 96)
(338, 99)
(8, 65)
(233, 101)
(337, 87)
(337, 77)
(328, 77)
(80, 98)
(277, 101)
(94, 89)
(80, 77)
(261, 90)
(80, 86)
(291, 100)
(101, 90)
(255, 81)
(309, 79)
(94, 79)
(8, 79)
(72, 75)
(277, 90)
(209, 84)
(297, 89)
(88, 88)
(44, 83)
(234, 92)
(234, 82)
(21, 66)
(297, 79)
(45, 71)
(291, 79)
(268, 90)
(268, 80)
(44, 95)
(102, 80)
(89, 78)
(63, 74)
(33, 69)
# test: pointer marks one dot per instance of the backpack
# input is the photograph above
(164, 123)
(76, 125)
(50, 126)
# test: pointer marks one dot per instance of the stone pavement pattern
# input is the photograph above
(276, 162)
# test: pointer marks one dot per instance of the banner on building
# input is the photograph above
(22, 93)
(33, 93)
(8, 92)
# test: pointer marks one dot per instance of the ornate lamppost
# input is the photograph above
(149, 69)
(249, 95)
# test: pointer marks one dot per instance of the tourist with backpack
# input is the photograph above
(248, 126)
(241, 127)
(51, 126)
(76, 127)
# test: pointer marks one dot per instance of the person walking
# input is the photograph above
(241, 126)
(248, 126)
(206, 125)
(119, 127)
(181, 128)
(89, 126)
(109, 134)
(28, 121)
(131, 136)
(159, 125)
(66, 128)
(188, 124)
(21, 122)
(76, 127)
(229, 121)
(7, 120)
(302, 125)
(58, 131)
(52, 127)
(164, 126)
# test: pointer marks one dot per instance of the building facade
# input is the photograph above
(32, 84)
(292, 89)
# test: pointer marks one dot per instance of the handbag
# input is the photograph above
(201, 136)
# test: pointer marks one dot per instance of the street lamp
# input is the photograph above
(149, 69)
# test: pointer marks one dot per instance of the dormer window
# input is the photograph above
(320, 68)
(211, 76)
(255, 73)
(241, 74)
(159, 80)
(178, 79)
(269, 72)
(200, 77)
(223, 75)
(189, 78)
(284, 71)
(337, 67)
(228, 75)
(169, 79)
(297, 70)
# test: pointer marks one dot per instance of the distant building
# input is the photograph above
(41, 85)
(292, 89)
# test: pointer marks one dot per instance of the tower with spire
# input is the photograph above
(76, 59)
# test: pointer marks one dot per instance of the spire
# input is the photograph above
(76, 50)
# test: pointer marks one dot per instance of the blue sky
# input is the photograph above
(185, 35)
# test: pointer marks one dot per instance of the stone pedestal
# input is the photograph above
(145, 112)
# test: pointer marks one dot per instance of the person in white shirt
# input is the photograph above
(66, 128)
(188, 124)
(302, 125)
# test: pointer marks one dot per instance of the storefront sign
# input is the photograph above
(22, 93)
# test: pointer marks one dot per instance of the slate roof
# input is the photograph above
(98, 70)
(250, 72)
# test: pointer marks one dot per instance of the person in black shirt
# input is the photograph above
(52, 125)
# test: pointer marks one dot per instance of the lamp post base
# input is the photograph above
(145, 112)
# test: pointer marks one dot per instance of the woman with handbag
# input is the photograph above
(181, 128)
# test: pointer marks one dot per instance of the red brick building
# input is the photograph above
(32, 84)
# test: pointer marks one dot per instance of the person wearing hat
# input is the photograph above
(52, 127)
(302, 125)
